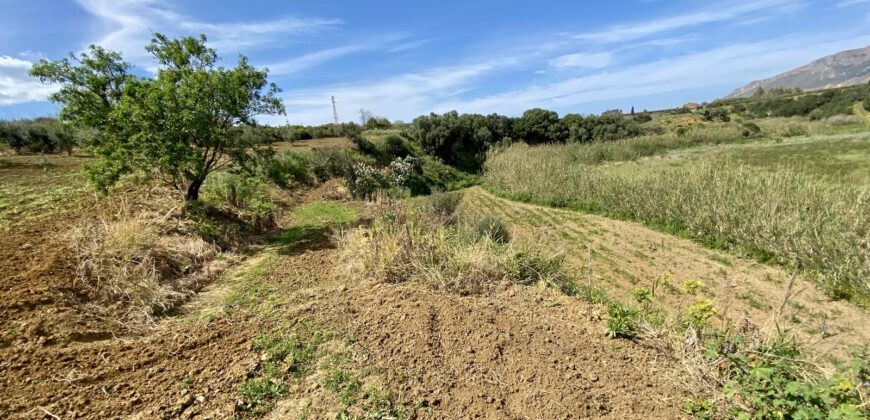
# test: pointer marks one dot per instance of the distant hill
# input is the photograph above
(844, 68)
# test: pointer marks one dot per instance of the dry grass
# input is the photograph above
(409, 244)
(142, 258)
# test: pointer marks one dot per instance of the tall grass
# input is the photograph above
(405, 244)
(783, 216)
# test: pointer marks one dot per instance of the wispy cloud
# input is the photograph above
(126, 24)
(716, 13)
(16, 86)
(583, 60)
(306, 61)
(847, 3)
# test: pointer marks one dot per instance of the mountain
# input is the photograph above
(844, 68)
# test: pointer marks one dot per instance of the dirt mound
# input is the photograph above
(519, 353)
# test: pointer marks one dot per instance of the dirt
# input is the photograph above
(518, 353)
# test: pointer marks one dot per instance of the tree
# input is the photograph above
(540, 126)
(181, 125)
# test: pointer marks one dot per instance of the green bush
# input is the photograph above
(493, 228)
(363, 181)
(247, 197)
(770, 380)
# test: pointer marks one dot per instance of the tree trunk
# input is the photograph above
(193, 191)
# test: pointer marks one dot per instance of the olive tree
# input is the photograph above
(180, 125)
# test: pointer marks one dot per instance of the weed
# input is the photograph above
(641, 295)
(698, 313)
(623, 321)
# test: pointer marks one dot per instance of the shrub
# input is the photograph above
(770, 379)
(289, 170)
(246, 197)
(698, 313)
(444, 205)
(492, 228)
(641, 295)
(363, 181)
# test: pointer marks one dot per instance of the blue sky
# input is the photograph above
(403, 58)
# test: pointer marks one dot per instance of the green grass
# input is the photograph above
(812, 213)
(313, 223)
(33, 189)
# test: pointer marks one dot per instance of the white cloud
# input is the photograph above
(716, 13)
(402, 96)
(129, 24)
(847, 3)
(583, 60)
(733, 64)
(306, 61)
(16, 86)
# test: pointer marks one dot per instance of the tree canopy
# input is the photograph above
(180, 125)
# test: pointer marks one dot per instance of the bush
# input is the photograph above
(246, 197)
(363, 181)
(623, 321)
(492, 228)
(769, 379)
(444, 205)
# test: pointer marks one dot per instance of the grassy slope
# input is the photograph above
(800, 201)
(627, 256)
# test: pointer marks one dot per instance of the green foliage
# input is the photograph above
(283, 356)
(459, 140)
(42, 135)
(244, 196)
(540, 126)
(692, 286)
(622, 321)
(641, 295)
(609, 126)
(769, 380)
(493, 228)
(789, 103)
(364, 180)
(698, 313)
(181, 125)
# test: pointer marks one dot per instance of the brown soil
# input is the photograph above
(518, 353)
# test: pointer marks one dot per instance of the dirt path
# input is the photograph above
(628, 255)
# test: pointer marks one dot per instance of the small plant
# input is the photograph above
(493, 228)
(701, 409)
(641, 295)
(700, 312)
(622, 322)
(691, 286)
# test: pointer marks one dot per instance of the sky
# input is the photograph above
(404, 58)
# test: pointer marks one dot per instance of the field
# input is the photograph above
(798, 201)
(578, 280)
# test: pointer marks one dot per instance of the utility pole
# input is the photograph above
(334, 112)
